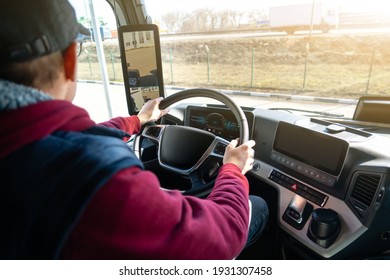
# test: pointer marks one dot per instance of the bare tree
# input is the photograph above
(202, 20)
(257, 16)
(223, 19)
(187, 25)
(172, 21)
(213, 20)
(235, 17)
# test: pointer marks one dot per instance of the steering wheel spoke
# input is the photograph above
(218, 147)
(153, 132)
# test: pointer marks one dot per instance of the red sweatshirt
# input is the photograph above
(131, 217)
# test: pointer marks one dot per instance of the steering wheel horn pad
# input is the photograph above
(181, 147)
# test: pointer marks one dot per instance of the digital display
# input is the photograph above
(313, 148)
(220, 122)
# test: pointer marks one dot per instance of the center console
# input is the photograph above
(314, 166)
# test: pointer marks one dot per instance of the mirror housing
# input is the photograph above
(141, 64)
(374, 109)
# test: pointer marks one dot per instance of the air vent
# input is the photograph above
(363, 193)
(365, 188)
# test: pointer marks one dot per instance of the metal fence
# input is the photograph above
(331, 65)
(321, 65)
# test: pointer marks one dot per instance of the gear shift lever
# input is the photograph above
(296, 208)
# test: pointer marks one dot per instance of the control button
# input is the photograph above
(385, 235)
(294, 187)
(153, 131)
(294, 214)
(256, 166)
(220, 149)
(298, 188)
(379, 197)
(303, 193)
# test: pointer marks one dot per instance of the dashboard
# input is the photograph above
(332, 179)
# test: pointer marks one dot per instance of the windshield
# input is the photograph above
(317, 56)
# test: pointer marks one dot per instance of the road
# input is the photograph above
(91, 97)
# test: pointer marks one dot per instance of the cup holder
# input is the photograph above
(324, 227)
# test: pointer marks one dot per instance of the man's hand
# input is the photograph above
(241, 156)
(150, 111)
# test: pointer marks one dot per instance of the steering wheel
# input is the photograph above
(190, 152)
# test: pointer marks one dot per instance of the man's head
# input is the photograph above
(35, 37)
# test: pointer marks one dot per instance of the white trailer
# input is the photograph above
(291, 18)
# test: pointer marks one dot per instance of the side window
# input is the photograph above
(88, 59)
(91, 93)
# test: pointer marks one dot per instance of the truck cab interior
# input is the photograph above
(316, 103)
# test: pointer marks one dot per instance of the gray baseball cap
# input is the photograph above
(33, 28)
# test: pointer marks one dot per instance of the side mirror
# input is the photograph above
(373, 109)
(141, 64)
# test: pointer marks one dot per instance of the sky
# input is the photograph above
(156, 8)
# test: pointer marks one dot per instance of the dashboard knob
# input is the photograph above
(324, 227)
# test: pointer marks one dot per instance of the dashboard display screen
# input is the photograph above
(219, 121)
(316, 149)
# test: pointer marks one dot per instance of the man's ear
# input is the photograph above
(70, 62)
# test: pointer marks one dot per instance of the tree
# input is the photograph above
(257, 16)
(235, 17)
(172, 21)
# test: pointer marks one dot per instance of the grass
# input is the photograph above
(343, 81)
(336, 66)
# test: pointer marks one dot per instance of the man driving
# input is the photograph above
(73, 189)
